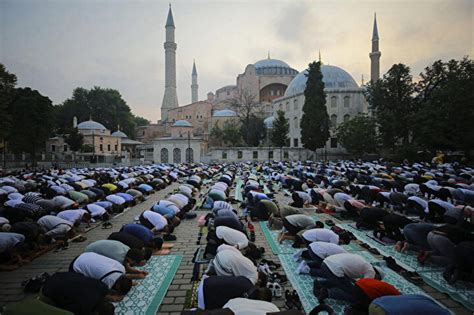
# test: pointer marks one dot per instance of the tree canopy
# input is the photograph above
(358, 135)
(279, 133)
(315, 120)
(7, 90)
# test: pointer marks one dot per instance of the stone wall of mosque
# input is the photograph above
(172, 150)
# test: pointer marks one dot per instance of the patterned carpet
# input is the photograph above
(146, 297)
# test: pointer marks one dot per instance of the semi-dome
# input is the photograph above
(269, 122)
(91, 125)
(119, 133)
(182, 123)
(333, 78)
(224, 113)
(273, 67)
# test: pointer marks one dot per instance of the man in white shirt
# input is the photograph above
(157, 223)
(242, 306)
(229, 261)
(56, 227)
(232, 237)
(318, 251)
(75, 216)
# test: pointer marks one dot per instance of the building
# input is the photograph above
(197, 114)
(129, 146)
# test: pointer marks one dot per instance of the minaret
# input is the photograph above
(375, 54)
(170, 99)
(194, 84)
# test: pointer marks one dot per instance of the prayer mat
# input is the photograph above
(461, 291)
(238, 190)
(406, 260)
(146, 297)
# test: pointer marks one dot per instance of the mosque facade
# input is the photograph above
(272, 85)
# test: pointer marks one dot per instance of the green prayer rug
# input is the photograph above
(146, 297)
(238, 190)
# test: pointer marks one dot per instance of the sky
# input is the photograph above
(54, 46)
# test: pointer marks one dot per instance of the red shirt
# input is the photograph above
(375, 288)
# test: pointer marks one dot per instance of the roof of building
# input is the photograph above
(269, 63)
(182, 123)
(91, 125)
(269, 121)
(333, 78)
(224, 113)
(273, 67)
(169, 19)
(120, 134)
(127, 141)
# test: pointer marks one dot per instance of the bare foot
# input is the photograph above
(405, 247)
(398, 246)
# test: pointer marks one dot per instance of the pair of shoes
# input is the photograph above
(292, 300)
(276, 277)
(303, 268)
(271, 264)
(264, 268)
(107, 225)
(275, 288)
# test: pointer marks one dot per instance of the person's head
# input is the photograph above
(344, 238)
(71, 233)
(319, 224)
(86, 217)
(262, 294)
(135, 256)
(122, 285)
(253, 252)
(105, 308)
(147, 252)
(6, 227)
(262, 280)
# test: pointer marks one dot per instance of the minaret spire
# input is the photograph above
(194, 84)
(319, 56)
(375, 54)
(170, 98)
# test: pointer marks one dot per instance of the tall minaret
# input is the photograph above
(194, 84)
(170, 99)
(375, 54)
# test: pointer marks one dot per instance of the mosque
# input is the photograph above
(273, 85)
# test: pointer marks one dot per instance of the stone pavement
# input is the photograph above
(10, 282)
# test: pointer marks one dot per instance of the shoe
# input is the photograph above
(303, 268)
(277, 290)
(297, 256)
(271, 287)
(264, 268)
(296, 300)
(289, 300)
(169, 237)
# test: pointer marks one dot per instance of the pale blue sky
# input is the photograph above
(57, 45)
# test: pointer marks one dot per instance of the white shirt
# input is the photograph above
(63, 202)
(9, 240)
(158, 221)
(350, 265)
(221, 205)
(420, 201)
(72, 215)
(168, 204)
(232, 237)
(116, 199)
(229, 261)
(323, 249)
(321, 235)
(188, 192)
(241, 306)
(96, 266)
(95, 210)
(179, 200)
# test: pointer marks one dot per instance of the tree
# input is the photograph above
(445, 97)
(105, 106)
(279, 132)
(392, 102)
(216, 135)
(250, 115)
(75, 140)
(315, 120)
(140, 121)
(32, 121)
(231, 133)
(7, 89)
(358, 135)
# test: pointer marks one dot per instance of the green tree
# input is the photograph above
(254, 131)
(32, 121)
(75, 140)
(279, 132)
(392, 102)
(216, 135)
(358, 135)
(446, 98)
(140, 121)
(102, 105)
(7, 89)
(231, 133)
(315, 120)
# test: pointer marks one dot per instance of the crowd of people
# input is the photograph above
(419, 207)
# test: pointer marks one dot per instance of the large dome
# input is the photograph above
(120, 134)
(273, 67)
(91, 125)
(333, 78)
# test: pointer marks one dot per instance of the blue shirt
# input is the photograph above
(409, 304)
(139, 231)
(125, 196)
(145, 187)
(104, 204)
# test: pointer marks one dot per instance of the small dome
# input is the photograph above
(268, 63)
(91, 125)
(333, 78)
(119, 133)
(269, 122)
(224, 113)
(182, 123)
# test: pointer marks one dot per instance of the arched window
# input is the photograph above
(333, 101)
(189, 155)
(347, 117)
(333, 120)
(347, 101)
(176, 155)
(164, 155)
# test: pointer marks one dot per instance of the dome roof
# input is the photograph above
(333, 78)
(119, 133)
(269, 121)
(90, 124)
(182, 123)
(269, 63)
(224, 113)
